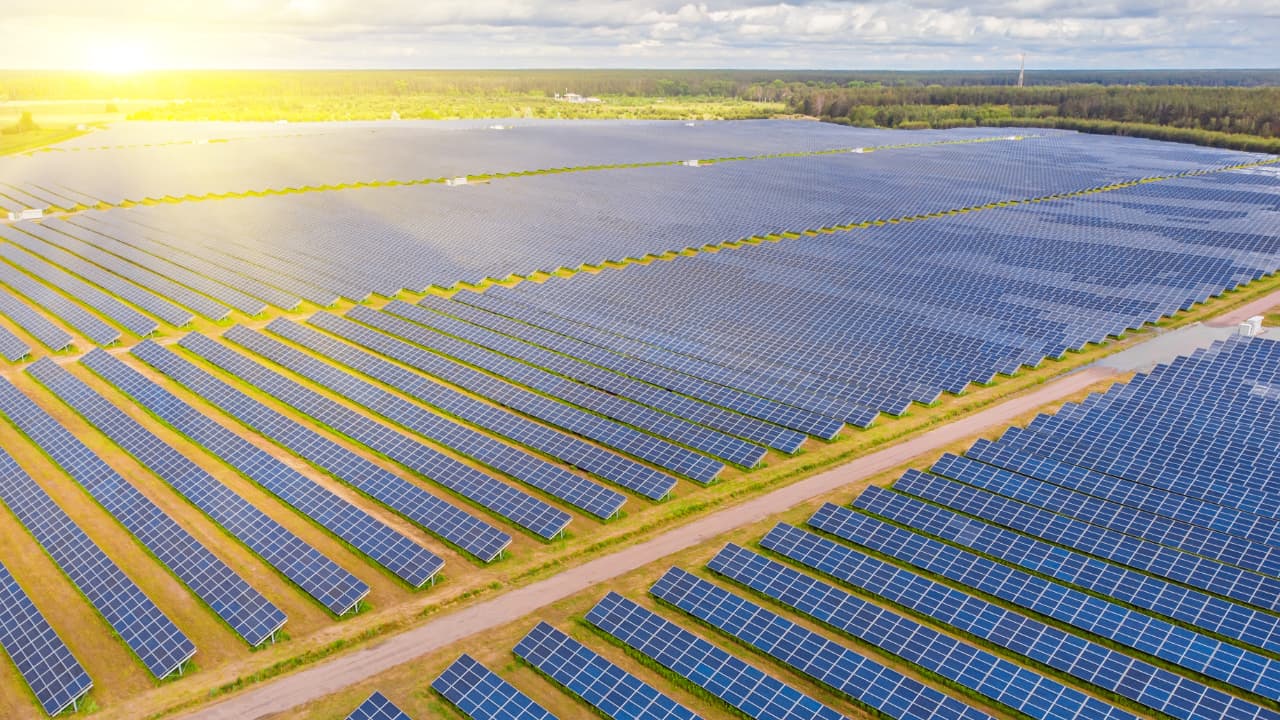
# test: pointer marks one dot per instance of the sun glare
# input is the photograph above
(118, 59)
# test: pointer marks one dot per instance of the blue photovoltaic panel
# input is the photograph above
(529, 469)
(132, 320)
(54, 675)
(423, 331)
(322, 578)
(748, 428)
(113, 283)
(53, 337)
(808, 652)
(1166, 502)
(161, 646)
(1192, 607)
(1036, 695)
(602, 463)
(751, 405)
(77, 317)
(250, 614)
(12, 348)
(742, 686)
(377, 707)
(1224, 547)
(521, 508)
(399, 554)
(1134, 679)
(482, 695)
(428, 511)
(605, 686)
(158, 284)
(1246, 670)
(1215, 577)
(660, 452)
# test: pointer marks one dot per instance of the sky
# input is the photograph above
(125, 35)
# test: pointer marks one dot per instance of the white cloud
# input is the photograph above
(661, 33)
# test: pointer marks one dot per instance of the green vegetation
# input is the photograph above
(1224, 108)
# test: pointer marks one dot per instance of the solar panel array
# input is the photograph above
(39, 326)
(521, 508)
(242, 607)
(516, 463)
(480, 694)
(45, 662)
(152, 636)
(626, 439)
(431, 513)
(982, 521)
(741, 685)
(567, 448)
(392, 549)
(377, 707)
(606, 687)
(330, 584)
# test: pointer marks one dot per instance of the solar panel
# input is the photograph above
(1246, 670)
(525, 510)
(742, 686)
(531, 470)
(615, 435)
(242, 607)
(110, 281)
(482, 695)
(525, 327)
(606, 687)
(377, 707)
(77, 317)
(1195, 608)
(1202, 573)
(426, 510)
(53, 337)
(443, 316)
(806, 651)
(395, 551)
(1135, 679)
(132, 320)
(12, 347)
(161, 646)
(1018, 688)
(609, 466)
(54, 675)
(158, 284)
(326, 581)
(425, 330)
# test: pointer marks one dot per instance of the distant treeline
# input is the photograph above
(745, 84)
(1226, 108)
(1207, 110)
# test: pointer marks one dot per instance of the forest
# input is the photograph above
(1227, 108)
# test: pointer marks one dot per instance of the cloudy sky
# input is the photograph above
(906, 34)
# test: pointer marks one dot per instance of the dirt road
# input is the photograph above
(300, 688)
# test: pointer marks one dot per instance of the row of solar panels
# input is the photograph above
(160, 644)
(1107, 561)
(843, 326)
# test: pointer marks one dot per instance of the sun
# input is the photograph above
(118, 59)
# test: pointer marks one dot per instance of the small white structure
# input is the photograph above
(1014, 137)
(454, 182)
(499, 127)
(690, 163)
(395, 115)
(27, 214)
(857, 151)
(576, 98)
(689, 124)
(1251, 327)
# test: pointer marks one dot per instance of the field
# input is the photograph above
(577, 377)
